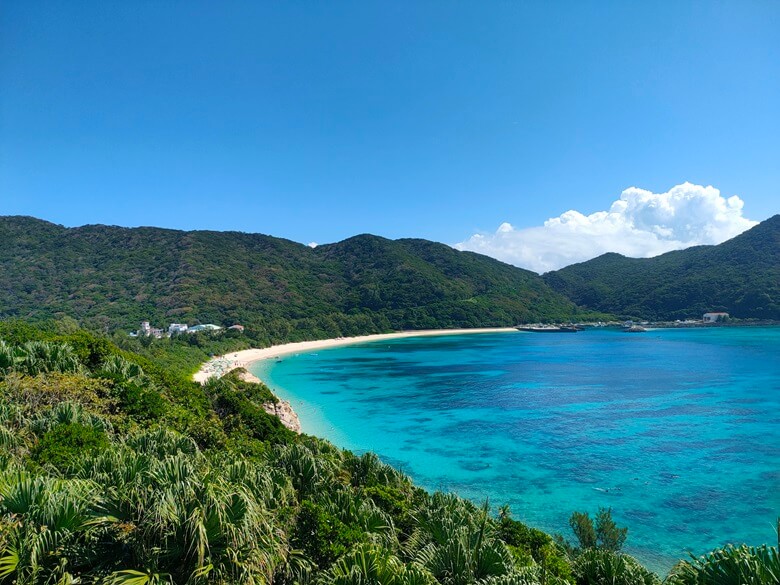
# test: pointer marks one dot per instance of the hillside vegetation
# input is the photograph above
(110, 277)
(115, 472)
(740, 276)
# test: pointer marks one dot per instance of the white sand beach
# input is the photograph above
(220, 365)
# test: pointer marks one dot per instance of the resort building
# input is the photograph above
(204, 327)
(147, 330)
(714, 317)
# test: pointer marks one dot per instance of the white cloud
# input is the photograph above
(312, 245)
(639, 224)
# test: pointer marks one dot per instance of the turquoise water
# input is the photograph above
(677, 430)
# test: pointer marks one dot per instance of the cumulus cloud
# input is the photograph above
(640, 224)
(312, 245)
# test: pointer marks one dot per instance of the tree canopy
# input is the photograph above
(740, 276)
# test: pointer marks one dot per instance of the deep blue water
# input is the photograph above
(677, 430)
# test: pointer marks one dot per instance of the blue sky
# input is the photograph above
(319, 120)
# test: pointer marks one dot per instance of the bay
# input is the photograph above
(677, 430)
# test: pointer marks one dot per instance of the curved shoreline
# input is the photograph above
(240, 359)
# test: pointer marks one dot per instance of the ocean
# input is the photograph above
(676, 430)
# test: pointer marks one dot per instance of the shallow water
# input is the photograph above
(677, 430)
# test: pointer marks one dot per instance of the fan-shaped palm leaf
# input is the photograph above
(120, 366)
(162, 442)
(40, 357)
(733, 565)
(600, 566)
(7, 358)
(368, 565)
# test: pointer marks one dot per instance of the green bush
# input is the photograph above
(66, 443)
(395, 502)
(603, 533)
(606, 567)
(518, 534)
(322, 536)
(244, 415)
(141, 403)
(733, 565)
(254, 391)
(529, 543)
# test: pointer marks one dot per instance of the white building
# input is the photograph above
(175, 328)
(714, 317)
(204, 327)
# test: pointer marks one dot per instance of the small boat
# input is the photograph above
(549, 328)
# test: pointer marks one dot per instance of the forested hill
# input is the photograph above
(112, 277)
(740, 276)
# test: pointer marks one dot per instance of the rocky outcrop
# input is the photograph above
(247, 376)
(282, 409)
(285, 413)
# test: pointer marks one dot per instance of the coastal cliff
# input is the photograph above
(269, 402)
(282, 409)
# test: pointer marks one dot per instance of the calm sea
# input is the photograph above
(678, 431)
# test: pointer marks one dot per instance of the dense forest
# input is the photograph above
(740, 276)
(115, 470)
(110, 278)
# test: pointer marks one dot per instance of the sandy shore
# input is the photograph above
(241, 359)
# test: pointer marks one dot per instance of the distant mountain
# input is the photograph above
(740, 276)
(113, 277)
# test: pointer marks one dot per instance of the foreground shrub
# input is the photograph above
(529, 545)
(368, 564)
(40, 357)
(141, 403)
(605, 567)
(322, 536)
(65, 443)
(733, 565)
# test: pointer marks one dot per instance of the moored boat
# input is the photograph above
(548, 328)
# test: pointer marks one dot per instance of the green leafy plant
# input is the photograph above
(733, 565)
(604, 533)
(65, 443)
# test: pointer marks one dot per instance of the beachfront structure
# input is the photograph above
(237, 327)
(147, 330)
(204, 327)
(714, 317)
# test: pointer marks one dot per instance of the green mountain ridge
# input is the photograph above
(112, 277)
(740, 276)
